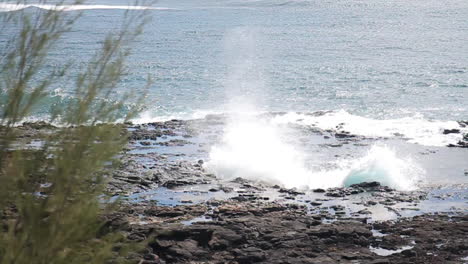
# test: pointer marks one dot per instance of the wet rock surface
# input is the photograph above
(251, 232)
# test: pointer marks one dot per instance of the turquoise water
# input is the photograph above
(378, 59)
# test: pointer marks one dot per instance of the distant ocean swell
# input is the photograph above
(413, 129)
(5, 7)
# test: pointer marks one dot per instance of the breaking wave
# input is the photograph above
(383, 165)
(414, 129)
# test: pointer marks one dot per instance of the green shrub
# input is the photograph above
(51, 196)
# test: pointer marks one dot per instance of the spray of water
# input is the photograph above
(255, 148)
(252, 147)
(383, 165)
(245, 83)
(255, 151)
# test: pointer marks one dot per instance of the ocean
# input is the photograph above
(393, 72)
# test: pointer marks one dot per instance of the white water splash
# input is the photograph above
(382, 164)
(252, 149)
(255, 149)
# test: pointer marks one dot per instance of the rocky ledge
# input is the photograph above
(250, 232)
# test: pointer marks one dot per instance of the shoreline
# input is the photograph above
(193, 217)
(244, 232)
(184, 214)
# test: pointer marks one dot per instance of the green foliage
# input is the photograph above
(51, 196)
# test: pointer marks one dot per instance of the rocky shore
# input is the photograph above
(246, 232)
(182, 213)
(269, 224)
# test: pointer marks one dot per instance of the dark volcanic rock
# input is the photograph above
(318, 190)
(371, 186)
(366, 185)
(463, 123)
(174, 142)
(244, 226)
(38, 125)
(288, 235)
(290, 191)
(460, 144)
(335, 192)
(344, 134)
(451, 131)
(271, 236)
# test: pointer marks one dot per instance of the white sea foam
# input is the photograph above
(415, 129)
(150, 117)
(6, 7)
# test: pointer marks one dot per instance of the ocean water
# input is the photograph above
(379, 59)
(387, 69)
